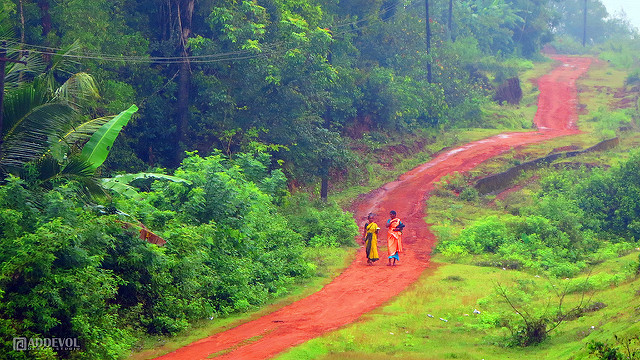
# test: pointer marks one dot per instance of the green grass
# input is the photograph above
(403, 328)
(330, 263)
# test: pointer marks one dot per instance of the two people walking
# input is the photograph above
(394, 238)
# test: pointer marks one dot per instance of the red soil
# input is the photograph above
(349, 296)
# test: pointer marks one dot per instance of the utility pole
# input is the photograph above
(426, 5)
(325, 162)
(3, 63)
(451, 19)
(584, 30)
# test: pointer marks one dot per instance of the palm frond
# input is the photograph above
(78, 90)
(31, 135)
(48, 168)
(77, 167)
(78, 170)
(19, 102)
(84, 130)
(60, 62)
(18, 73)
(6, 29)
(91, 188)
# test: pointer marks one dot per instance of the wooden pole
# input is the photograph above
(3, 64)
(426, 4)
(451, 19)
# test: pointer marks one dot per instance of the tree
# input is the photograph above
(535, 325)
(185, 9)
(32, 120)
(594, 25)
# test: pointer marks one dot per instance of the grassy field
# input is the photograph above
(410, 327)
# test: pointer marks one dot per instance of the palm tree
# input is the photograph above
(32, 122)
(44, 124)
(37, 112)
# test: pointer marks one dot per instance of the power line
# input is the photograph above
(265, 50)
(17, 46)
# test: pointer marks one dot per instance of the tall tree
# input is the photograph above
(185, 10)
(450, 19)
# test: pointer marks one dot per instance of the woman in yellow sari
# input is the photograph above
(370, 239)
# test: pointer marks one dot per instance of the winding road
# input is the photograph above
(349, 296)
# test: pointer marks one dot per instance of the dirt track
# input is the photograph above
(349, 296)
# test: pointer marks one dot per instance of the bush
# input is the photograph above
(72, 269)
(320, 223)
(625, 348)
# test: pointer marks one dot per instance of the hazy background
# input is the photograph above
(630, 7)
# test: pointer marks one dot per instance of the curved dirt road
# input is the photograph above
(348, 296)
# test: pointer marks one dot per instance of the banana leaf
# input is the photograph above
(123, 189)
(120, 183)
(97, 149)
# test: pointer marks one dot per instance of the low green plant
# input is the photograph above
(607, 122)
(624, 348)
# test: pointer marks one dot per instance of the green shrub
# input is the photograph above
(624, 348)
(320, 223)
(469, 193)
(72, 269)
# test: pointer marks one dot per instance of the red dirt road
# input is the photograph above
(348, 296)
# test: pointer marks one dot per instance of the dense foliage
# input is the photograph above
(77, 269)
(296, 75)
(580, 217)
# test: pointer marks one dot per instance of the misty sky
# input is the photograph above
(631, 7)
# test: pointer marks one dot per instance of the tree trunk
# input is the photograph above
(451, 19)
(324, 186)
(3, 54)
(45, 21)
(185, 16)
(22, 28)
(45, 17)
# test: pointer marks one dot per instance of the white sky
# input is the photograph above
(631, 8)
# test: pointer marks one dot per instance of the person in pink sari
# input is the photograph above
(394, 237)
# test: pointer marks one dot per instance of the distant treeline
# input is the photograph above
(297, 76)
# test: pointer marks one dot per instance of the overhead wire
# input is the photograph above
(265, 50)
